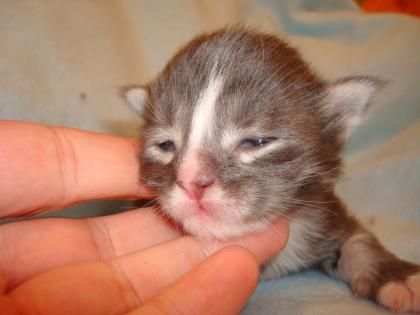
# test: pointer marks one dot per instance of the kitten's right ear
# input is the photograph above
(135, 96)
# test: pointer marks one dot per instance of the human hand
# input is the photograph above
(133, 261)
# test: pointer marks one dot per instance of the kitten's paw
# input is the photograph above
(401, 296)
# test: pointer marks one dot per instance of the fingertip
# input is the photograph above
(69, 166)
(268, 243)
(144, 191)
(280, 229)
(239, 262)
(273, 241)
(222, 284)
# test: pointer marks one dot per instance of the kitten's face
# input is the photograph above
(238, 132)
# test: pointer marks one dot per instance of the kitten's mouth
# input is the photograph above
(201, 208)
(202, 211)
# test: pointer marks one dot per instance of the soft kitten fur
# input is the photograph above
(239, 131)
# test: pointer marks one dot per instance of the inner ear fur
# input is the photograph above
(346, 102)
(135, 96)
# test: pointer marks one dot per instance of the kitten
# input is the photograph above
(239, 131)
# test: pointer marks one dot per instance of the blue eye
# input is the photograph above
(166, 146)
(256, 143)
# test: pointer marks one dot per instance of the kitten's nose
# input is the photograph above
(195, 188)
(203, 182)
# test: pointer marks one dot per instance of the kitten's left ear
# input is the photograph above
(135, 96)
(347, 100)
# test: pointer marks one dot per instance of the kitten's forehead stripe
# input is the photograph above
(204, 117)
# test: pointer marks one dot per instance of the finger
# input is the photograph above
(30, 247)
(264, 245)
(164, 263)
(120, 285)
(137, 277)
(47, 167)
(6, 304)
(97, 288)
(220, 285)
(113, 287)
(87, 288)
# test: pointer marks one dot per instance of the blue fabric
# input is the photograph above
(62, 62)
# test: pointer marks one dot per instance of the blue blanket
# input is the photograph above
(62, 62)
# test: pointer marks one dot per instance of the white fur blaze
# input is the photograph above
(202, 123)
(401, 296)
(204, 116)
(190, 168)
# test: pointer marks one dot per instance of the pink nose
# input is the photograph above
(195, 189)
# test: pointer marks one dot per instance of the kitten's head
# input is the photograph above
(239, 131)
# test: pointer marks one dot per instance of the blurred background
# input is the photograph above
(62, 62)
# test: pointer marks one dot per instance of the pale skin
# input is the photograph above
(133, 262)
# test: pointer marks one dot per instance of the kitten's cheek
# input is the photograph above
(176, 205)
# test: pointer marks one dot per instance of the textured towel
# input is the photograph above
(62, 62)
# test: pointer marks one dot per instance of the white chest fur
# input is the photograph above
(299, 252)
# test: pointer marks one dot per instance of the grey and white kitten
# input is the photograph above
(239, 132)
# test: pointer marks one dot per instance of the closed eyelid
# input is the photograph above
(249, 156)
(255, 143)
(158, 135)
(270, 145)
(232, 137)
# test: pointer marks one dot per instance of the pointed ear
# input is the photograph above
(346, 103)
(135, 96)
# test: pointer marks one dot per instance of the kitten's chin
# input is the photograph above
(215, 216)
(207, 228)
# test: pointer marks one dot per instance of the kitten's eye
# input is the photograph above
(167, 146)
(255, 143)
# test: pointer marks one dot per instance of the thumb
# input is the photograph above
(220, 285)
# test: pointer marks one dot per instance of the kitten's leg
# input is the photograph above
(373, 272)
